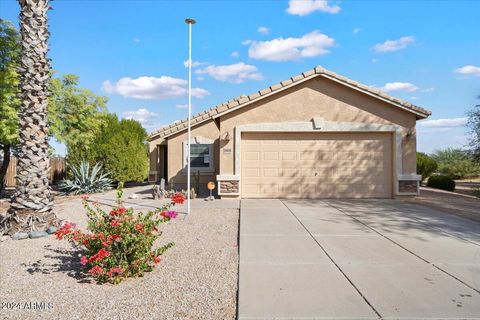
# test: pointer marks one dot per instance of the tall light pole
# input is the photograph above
(190, 22)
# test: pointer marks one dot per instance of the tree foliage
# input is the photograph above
(425, 165)
(120, 147)
(9, 102)
(474, 125)
(456, 163)
(75, 114)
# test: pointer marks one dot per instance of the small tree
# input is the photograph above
(425, 165)
(474, 125)
(120, 147)
(74, 114)
(9, 102)
(456, 163)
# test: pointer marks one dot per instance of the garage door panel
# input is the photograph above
(308, 155)
(270, 155)
(251, 188)
(308, 190)
(252, 172)
(289, 142)
(289, 155)
(270, 142)
(288, 189)
(252, 155)
(271, 172)
(286, 172)
(316, 165)
(360, 163)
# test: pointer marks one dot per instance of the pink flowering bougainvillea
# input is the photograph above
(119, 244)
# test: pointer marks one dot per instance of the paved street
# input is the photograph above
(356, 259)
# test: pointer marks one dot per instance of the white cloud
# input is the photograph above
(142, 115)
(394, 45)
(136, 40)
(375, 60)
(428, 89)
(443, 123)
(236, 73)
(263, 30)
(181, 106)
(469, 70)
(399, 86)
(147, 119)
(424, 131)
(305, 7)
(356, 30)
(312, 44)
(151, 88)
(246, 42)
(235, 54)
(430, 139)
(194, 63)
(414, 98)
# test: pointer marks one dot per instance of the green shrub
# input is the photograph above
(441, 182)
(456, 163)
(425, 165)
(476, 192)
(120, 147)
(84, 180)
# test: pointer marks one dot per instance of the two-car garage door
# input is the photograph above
(316, 165)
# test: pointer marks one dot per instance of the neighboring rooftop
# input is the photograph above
(244, 100)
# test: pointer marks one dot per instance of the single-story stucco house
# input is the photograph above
(315, 135)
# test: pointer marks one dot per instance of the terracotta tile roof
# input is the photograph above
(243, 100)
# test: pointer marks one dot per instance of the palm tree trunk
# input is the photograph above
(32, 203)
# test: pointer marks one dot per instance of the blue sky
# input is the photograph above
(133, 52)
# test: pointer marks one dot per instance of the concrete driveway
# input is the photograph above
(356, 259)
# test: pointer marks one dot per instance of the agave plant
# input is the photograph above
(86, 180)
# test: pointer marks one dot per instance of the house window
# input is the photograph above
(201, 155)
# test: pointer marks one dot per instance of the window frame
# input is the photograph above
(199, 141)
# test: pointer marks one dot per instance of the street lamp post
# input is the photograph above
(190, 22)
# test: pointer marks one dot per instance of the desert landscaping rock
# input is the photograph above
(51, 230)
(196, 279)
(20, 236)
(37, 234)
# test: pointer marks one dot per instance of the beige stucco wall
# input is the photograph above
(324, 98)
(315, 98)
(176, 174)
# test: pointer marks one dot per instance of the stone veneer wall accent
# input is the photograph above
(407, 186)
(229, 187)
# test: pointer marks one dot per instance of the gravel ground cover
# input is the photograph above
(197, 278)
(450, 202)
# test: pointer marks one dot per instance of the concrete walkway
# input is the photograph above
(144, 200)
(356, 259)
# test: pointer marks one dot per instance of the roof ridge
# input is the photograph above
(242, 99)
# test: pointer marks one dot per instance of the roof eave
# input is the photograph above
(420, 113)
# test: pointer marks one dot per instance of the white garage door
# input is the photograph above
(316, 165)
